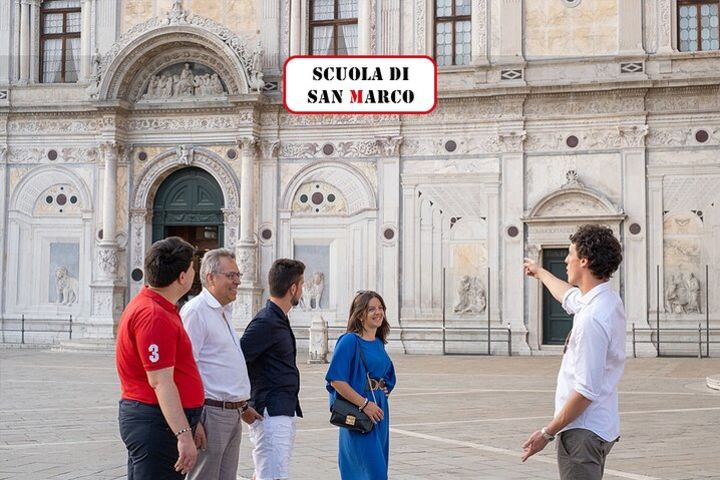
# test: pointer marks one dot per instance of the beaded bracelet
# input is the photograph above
(186, 429)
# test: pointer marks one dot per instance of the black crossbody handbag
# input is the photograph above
(346, 414)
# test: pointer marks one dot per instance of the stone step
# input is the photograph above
(94, 345)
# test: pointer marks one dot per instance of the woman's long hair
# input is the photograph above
(359, 310)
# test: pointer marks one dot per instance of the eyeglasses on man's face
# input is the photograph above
(230, 275)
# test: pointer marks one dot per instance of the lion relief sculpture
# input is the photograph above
(312, 292)
(66, 287)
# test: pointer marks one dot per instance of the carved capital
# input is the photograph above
(389, 146)
(3, 152)
(248, 146)
(633, 136)
(111, 149)
(512, 141)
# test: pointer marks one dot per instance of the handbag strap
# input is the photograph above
(367, 370)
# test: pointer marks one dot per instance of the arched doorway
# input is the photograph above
(189, 205)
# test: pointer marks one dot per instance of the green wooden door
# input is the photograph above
(188, 197)
(556, 323)
(189, 205)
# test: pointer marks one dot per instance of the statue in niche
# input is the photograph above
(470, 297)
(312, 292)
(66, 287)
(693, 294)
(254, 65)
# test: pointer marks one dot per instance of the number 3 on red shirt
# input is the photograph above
(154, 355)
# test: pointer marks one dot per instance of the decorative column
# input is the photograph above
(479, 27)
(34, 50)
(86, 40)
(107, 290)
(295, 27)
(635, 269)
(249, 292)
(24, 41)
(4, 185)
(511, 139)
(665, 26)
(388, 169)
(364, 27)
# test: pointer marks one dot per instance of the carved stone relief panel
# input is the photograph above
(50, 155)
(287, 120)
(584, 104)
(683, 261)
(53, 125)
(478, 144)
(683, 99)
(189, 79)
(204, 123)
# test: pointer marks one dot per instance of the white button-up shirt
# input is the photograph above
(595, 359)
(216, 348)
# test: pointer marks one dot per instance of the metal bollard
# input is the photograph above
(70, 327)
(699, 340)
(633, 337)
(22, 330)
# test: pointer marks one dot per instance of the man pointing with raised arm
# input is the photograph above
(586, 421)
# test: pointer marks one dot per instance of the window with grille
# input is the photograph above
(59, 41)
(452, 32)
(697, 25)
(333, 27)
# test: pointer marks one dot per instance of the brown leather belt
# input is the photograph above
(243, 405)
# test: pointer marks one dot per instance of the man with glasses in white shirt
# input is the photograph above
(586, 421)
(217, 351)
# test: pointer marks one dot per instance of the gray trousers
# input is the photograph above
(581, 454)
(223, 429)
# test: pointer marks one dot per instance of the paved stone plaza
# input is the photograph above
(452, 417)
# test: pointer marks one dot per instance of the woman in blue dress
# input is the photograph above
(364, 456)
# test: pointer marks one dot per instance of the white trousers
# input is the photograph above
(273, 438)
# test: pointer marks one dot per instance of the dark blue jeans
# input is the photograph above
(151, 445)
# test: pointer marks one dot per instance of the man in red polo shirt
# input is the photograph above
(162, 392)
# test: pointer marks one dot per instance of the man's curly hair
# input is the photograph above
(600, 247)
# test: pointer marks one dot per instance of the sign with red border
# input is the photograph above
(359, 84)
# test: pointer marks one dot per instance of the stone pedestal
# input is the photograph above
(107, 306)
(249, 301)
(107, 292)
(318, 340)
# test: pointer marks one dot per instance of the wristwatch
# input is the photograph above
(546, 435)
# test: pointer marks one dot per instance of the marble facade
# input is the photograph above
(566, 115)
